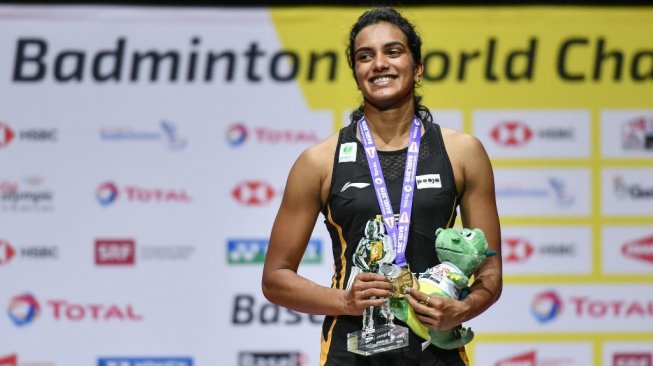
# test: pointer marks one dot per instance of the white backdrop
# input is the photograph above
(135, 213)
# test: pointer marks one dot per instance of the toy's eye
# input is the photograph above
(470, 235)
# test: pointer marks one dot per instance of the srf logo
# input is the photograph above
(115, 252)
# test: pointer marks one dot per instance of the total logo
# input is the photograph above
(253, 193)
(632, 359)
(145, 361)
(531, 358)
(637, 134)
(519, 249)
(271, 358)
(7, 135)
(239, 133)
(24, 309)
(546, 306)
(252, 251)
(108, 193)
(640, 249)
(519, 134)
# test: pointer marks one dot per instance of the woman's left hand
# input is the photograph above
(437, 312)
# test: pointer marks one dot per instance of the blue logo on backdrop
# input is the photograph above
(252, 251)
(167, 134)
(145, 361)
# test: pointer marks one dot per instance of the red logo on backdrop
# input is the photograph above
(517, 249)
(6, 253)
(115, 251)
(6, 135)
(632, 359)
(11, 360)
(253, 193)
(526, 359)
(639, 249)
(511, 133)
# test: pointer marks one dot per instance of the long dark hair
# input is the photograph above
(392, 16)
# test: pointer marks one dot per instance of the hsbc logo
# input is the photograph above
(115, 252)
(6, 135)
(641, 249)
(253, 193)
(6, 252)
(519, 134)
(531, 358)
(632, 359)
(512, 133)
(519, 249)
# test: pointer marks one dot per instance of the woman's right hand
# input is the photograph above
(368, 289)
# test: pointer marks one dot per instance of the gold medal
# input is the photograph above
(402, 283)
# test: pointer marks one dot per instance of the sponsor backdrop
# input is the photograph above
(143, 155)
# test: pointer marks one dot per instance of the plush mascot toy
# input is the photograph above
(461, 252)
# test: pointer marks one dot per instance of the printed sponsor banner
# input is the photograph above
(533, 354)
(627, 249)
(627, 191)
(176, 129)
(628, 353)
(543, 192)
(627, 133)
(534, 134)
(546, 250)
(569, 308)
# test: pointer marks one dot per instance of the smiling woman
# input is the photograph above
(384, 184)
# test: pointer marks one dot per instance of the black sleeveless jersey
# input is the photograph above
(352, 202)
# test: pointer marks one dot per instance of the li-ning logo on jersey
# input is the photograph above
(428, 181)
(355, 185)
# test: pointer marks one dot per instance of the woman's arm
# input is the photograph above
(478, 210)
(290, 234)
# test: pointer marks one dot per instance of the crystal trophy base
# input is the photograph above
(376, 340)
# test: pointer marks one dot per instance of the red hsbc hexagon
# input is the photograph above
(6, 252)
(6, 135)
(511, 133)
(253, 193)
(516, 249)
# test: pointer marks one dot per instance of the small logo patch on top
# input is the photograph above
(428, 181)
(347, 152)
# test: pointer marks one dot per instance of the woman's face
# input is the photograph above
(384, 67)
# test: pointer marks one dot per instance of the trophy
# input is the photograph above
(375, 253)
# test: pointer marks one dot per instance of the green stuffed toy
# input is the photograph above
(461, 253)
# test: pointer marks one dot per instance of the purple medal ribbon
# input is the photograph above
(398, 231)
